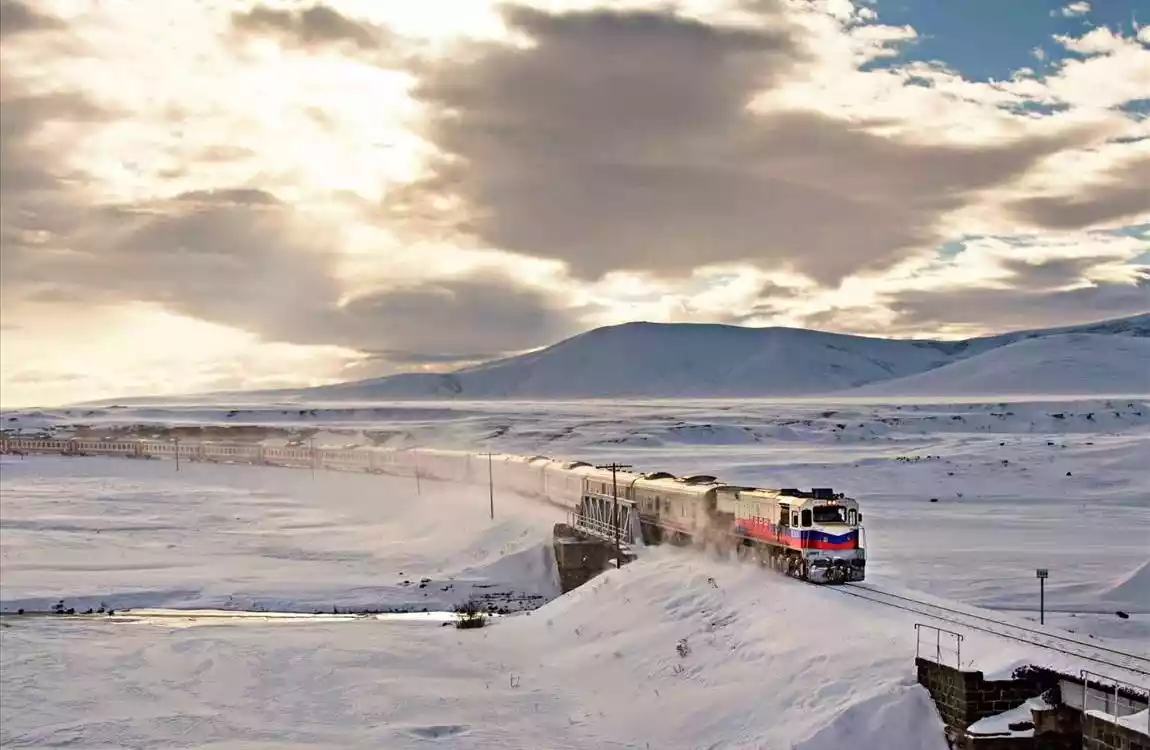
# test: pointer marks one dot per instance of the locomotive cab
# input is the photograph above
(834, 548)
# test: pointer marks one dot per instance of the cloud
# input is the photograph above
(1124, 198)
(313, 26)
(1073, 10)
(242, 258)
(18, 17)
(624, 140)
(471, 318)
(250, 257)
(1020, 307)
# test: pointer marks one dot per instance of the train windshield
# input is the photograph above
(830, 514)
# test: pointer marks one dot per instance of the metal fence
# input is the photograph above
(1111, 696)
(938, 645)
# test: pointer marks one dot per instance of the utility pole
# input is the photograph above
(311, 451)
(615, 511)
(415, 453)
(177, 453)
(491, 485)
(1042, 574)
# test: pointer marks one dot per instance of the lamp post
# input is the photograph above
(1042, 574)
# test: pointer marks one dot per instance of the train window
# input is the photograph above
(830, 514)
(784, 515)
(852, 517)
(806, 516)
(795, 518)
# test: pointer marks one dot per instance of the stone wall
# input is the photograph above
(964, 697)
(577, 559)
(1100, 734)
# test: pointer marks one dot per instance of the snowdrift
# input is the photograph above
(1063, 365)
(704, 653)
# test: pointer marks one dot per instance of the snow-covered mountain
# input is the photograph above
(655, 360)
(1067, 364)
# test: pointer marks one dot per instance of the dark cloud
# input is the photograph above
(309, 27)
(1124, 198)
(229, 197)
(1037, 299)
(41, 197)
(490, 314)
(1048, 274)
(18, 18)
(770, 299)
(241, 258)
(622, 140)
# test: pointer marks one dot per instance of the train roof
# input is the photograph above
(696, 483)
(699, 484)
(622, 478)
(797, 497)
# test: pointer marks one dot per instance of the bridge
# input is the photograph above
(608, 519)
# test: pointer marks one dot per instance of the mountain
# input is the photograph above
(1068, 364)
(688, 360)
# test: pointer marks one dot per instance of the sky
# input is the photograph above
(202, 194)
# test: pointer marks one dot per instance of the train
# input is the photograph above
(816, 535)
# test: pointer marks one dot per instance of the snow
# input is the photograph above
(598, 668)
(1068, 364)
(92, 530)
(999, 724)
(1139, 721)
(771, 662)
(1132, 587)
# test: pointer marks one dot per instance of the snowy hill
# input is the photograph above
(1064, 364)
(653, 360)
(658, 360)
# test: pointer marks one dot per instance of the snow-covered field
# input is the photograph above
(137, 533)
(770, 662)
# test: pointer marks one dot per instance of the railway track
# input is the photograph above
(1091, 652)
